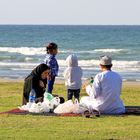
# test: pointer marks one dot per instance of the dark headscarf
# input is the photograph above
(39, 70)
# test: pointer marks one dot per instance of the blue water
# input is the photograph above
(22, 48)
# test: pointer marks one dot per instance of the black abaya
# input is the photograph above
(32, 81)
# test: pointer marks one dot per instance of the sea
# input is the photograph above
(22, 48)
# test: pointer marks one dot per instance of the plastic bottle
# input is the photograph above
(91, 80)
(32, 96)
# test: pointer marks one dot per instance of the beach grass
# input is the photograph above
(39, 127)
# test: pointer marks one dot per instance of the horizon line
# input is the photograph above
(76, 24)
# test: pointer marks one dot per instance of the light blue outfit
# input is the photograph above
(51, 61)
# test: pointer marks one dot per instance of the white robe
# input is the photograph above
(104, 94)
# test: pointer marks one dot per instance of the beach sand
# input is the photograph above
(131, 83)
(57, 81)
(61, 81)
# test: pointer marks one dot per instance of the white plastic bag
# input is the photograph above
(47, 97)
(36, 108)
(45, 107)
(52, 102)
(78, 107)
(55, 101)
(26, 107)
(66, 107)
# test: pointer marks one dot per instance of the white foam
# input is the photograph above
(122, 66)
(77, 52)
(27, 59)
(23, 50)
(18, 64)
(126, 64)
(134, 64)
(41, 50)
(81, 62)
(109, 50)
(19, 69)
(94, 51)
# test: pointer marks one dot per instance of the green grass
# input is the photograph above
(36, 127)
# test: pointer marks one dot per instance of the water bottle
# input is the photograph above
(32, 96)
(91, 80)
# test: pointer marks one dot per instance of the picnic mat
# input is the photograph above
(130, 110)
(17, 111)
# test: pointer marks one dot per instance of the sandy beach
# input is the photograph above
(131, 83)
(61, 81)
(57, 81)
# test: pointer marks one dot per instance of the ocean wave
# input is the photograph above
(24, 50)
(28, 59)
(84, 63)
(41, 50)
(81, 62)
(29, 50)
(94, 51)
(126, 63)
(110, 50)
(17, 64)
(127, 69)
(116, 63)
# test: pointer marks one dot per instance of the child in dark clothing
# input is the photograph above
(51, 61)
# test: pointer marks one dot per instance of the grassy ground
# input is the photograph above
(28, 127)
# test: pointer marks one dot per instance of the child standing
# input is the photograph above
(73, 75)
(51, 61)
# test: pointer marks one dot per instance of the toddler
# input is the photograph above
(73, 75)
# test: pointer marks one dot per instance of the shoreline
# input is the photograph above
(61, 81)
(58, 81)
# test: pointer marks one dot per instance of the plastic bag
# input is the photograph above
(70, 107)
(45, 107)
(55, 101)
(78, 107)
(47, 97)
(26, 107)
(36, 108)
(66, 107)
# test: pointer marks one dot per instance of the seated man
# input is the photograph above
(104, 94)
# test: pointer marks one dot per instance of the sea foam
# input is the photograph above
(24, 50)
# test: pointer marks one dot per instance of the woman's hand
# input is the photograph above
(49, 77)
(41, 84)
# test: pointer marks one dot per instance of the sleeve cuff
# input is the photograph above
(88, 88)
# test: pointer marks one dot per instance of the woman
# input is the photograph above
(37, 81)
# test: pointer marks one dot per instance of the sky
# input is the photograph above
(70, 12)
